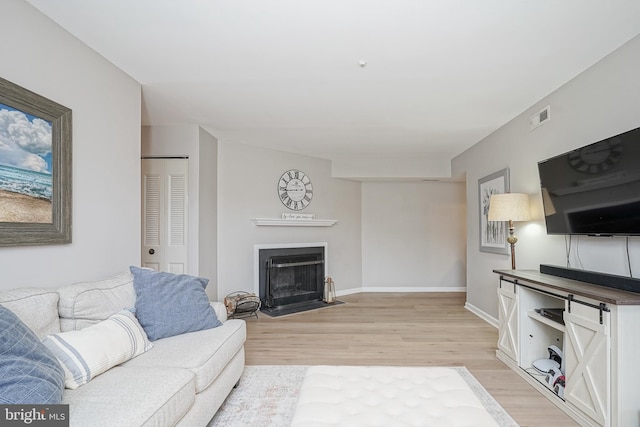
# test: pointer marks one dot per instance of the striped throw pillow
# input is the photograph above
(89, 352)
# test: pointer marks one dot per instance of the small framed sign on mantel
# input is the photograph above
(298, 216)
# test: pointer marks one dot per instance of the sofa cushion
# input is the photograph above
(29, 373)
(216, 347)
(132, 397)
(87, 303)
(170, 304)
(89, 352)
(37, 308)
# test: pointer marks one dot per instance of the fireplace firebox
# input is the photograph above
(290, 279)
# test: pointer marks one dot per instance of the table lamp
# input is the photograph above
(509, 207)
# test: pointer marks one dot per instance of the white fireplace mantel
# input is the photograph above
(294, 222)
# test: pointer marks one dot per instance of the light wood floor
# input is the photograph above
(413, 329)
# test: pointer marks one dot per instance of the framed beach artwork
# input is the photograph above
(35, 168)
(493, 234)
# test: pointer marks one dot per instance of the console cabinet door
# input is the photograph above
(587, 361)
(508, 320)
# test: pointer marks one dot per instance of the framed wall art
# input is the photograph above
(493, 234)
(35, 168)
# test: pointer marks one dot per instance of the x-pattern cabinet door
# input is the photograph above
(587, 361)
(508, 320)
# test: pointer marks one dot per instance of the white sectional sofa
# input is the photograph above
(181, 381)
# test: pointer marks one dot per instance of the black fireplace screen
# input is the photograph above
(291, 275)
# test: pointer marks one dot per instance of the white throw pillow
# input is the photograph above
(87, 303)
(87, 353)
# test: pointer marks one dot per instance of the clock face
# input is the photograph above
(295, 190)
(596, 158)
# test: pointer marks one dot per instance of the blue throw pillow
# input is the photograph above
(170, 304)
(29, 372)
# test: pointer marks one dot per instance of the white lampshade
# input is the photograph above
(509, 207)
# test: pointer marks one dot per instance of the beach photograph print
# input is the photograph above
(26, 178)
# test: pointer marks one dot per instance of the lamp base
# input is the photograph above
(513, 256)
(512, 242)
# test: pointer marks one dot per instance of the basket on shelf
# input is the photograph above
(242, 304)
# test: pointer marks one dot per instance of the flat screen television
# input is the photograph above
(594, 190)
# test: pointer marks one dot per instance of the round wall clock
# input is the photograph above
(295, 189)
(596, 158)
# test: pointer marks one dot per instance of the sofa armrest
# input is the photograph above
(220, 309)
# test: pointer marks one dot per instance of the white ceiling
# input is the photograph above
(285, 74)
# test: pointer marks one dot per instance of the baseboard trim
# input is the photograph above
(349, 292)
(400, 289)
(481, 314)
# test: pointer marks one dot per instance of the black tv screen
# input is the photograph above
(594, 190)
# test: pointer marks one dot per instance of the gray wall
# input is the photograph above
(208, 212)
(404, 236)
(601, 102)
(413, 236)
(247, 182)
(40, 56)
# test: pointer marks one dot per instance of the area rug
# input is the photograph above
(267, 397)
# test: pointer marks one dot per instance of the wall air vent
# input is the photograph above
(540, 118)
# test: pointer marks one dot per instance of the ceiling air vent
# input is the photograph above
(540, 118)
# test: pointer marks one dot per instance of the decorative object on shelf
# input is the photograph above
(509, 207)
(329, 291)
(242, 304)
(493, 235)
(295, 189)
(36, 199)
(298, 216)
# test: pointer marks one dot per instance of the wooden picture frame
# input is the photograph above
(493, 234)
(28, 122)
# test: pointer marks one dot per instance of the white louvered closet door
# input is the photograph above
(164, 214)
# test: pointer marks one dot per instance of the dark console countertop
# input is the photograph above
(575, 287)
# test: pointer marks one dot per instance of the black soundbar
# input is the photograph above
(602, 279)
